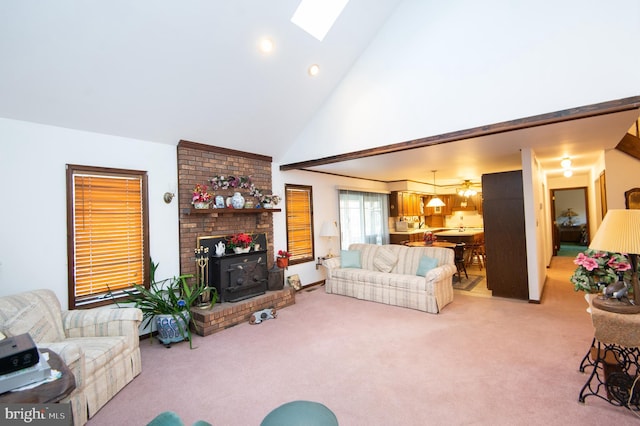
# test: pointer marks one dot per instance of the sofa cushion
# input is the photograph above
(30, 319)
(384, 259)
(349, 259)
(426, 264)
(99, 351)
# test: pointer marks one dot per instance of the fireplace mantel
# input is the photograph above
(229, 211)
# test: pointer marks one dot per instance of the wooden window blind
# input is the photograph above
(108, 242)
(299, 202)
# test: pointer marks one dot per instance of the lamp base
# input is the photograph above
(615, 305)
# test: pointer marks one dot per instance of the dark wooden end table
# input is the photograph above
(47, 392)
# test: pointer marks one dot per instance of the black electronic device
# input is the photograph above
(17, 352)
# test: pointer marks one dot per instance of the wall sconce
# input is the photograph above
(329, 230)
(168, 197)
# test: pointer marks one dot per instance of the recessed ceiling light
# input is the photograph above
(265, 45)
(314, 70)
(317, 16)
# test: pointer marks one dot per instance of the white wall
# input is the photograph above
(33, 253)
(622, 174)
(442, 66)
(325, 208)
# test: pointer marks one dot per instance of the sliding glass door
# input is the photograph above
(363, 218)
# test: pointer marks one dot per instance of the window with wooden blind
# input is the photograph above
(299, 202)
(107, 233)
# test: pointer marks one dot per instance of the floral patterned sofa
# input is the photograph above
(412, 277)
(99, 345)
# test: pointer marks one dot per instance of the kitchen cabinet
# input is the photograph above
(402, 203)
(447, 199)
(470, 204)
(504, 235)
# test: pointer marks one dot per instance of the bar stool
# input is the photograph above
(460, 261)
(476, 251)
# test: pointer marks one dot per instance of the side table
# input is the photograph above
(47, 392)
(615, 352)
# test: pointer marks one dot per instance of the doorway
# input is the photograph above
(570, 219)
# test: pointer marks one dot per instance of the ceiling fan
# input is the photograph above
(466, 189)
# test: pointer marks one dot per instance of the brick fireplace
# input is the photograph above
(197, 163)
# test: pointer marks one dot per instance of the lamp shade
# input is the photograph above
(435, 202)
(569, 213)
(329, 229)
(619, 232)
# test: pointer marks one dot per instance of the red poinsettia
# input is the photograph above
(283, 253)
(240, 240)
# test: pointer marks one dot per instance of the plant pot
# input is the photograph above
(282, 262)
(170, 329)
(238, 250)
(201, 205)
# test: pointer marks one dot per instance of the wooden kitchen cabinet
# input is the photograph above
(402, 203)
(395, 204)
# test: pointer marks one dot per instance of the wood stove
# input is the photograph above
(237, 276)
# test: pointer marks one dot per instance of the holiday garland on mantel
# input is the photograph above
(243, 182)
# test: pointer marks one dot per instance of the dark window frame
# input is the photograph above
(103, 298)
(309, 255)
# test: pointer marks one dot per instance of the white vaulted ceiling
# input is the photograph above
(165, 70)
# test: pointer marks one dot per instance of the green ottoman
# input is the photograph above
(300, 413)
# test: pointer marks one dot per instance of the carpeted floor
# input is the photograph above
(467, 284)
(481, 361)
(570, 250)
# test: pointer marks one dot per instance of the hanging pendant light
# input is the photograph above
(435, 201)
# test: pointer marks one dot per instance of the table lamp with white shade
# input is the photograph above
(329, 230)
(620, 233)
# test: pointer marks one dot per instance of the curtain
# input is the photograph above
(363, 218)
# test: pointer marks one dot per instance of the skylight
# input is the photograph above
(317, 16)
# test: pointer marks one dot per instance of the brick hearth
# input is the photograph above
(225, 315)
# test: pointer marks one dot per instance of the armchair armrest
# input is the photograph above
(331, 263)
(99, 322)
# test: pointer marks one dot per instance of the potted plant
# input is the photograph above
(597, 269)
(240, 243)
(283, 258)
(200, 197)
(168, 302)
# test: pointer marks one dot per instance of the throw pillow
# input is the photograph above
(426, 264)
(350, 259)
(384, 260)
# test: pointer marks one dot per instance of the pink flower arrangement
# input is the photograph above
(200, 194)
(597, 269)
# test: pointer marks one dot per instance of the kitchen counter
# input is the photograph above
(457, 233)
(409, 232)
(468, 236)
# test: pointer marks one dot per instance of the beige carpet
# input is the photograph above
(482, 361)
